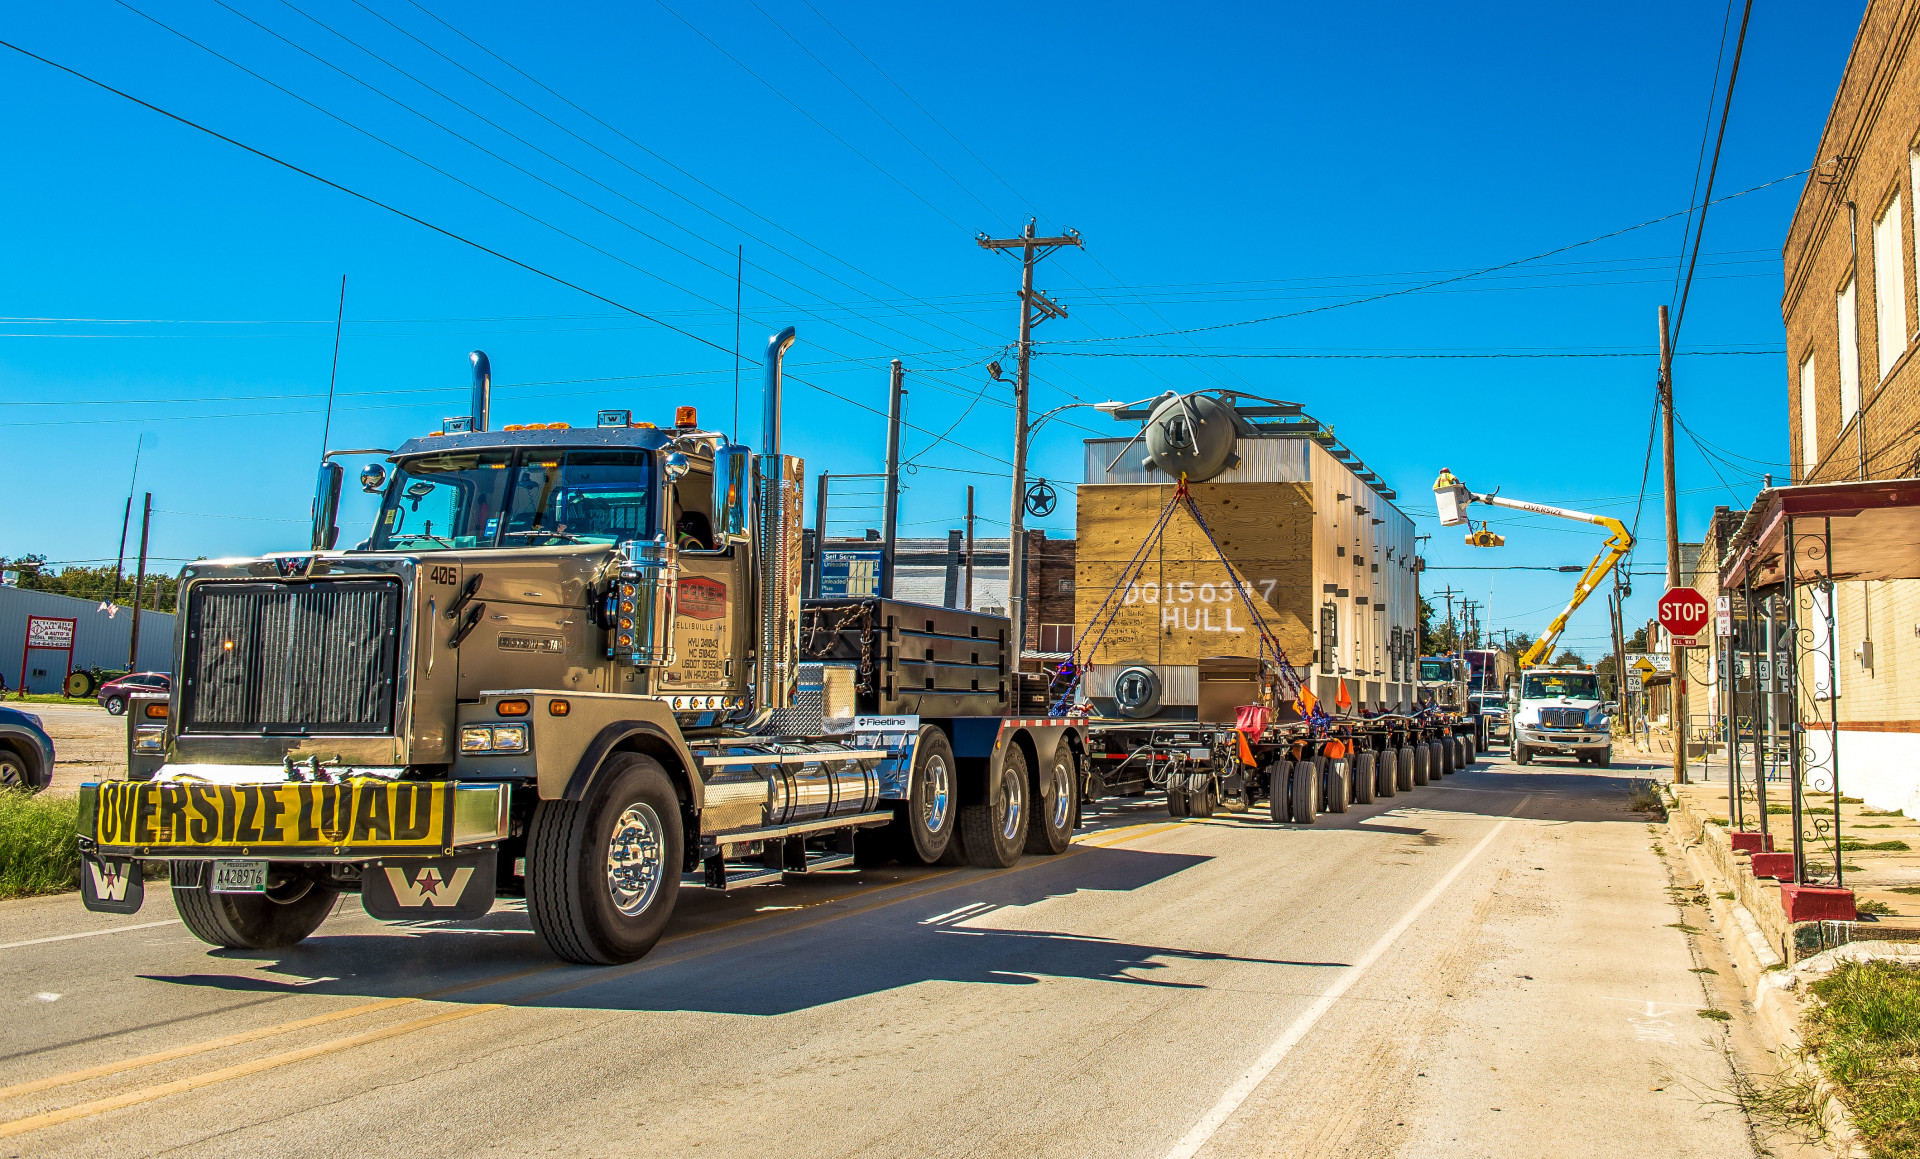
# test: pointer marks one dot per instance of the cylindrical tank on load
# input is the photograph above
(1191, 435)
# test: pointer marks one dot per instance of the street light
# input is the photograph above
(1016, 532)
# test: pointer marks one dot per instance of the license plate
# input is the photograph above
(239, 876)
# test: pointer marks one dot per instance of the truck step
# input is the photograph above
(781, 859)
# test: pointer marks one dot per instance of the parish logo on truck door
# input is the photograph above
(702, 598)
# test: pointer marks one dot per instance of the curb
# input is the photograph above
(1767, 982)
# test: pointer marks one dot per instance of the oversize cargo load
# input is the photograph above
(1311, 539)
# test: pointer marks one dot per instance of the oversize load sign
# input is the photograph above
(1683, 613)
(256, 818)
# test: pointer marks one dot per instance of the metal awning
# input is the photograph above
(1861, 530)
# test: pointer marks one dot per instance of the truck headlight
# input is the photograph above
(493, 738)
(149, 740)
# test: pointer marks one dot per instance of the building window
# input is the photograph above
(1849, 354)
(1809, 418)
(1056, 637)
(1066, 585)
(1329, 633)
(1889, 288)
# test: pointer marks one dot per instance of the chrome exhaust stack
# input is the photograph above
(482, 389)
(780, 483)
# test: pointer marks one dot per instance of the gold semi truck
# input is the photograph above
(571, 665)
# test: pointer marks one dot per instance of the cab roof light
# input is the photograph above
(685, 418)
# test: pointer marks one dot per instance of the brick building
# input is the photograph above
(1049, 593)
(1853, 389)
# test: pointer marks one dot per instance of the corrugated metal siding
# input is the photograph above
(1262, 460)
(98, 640)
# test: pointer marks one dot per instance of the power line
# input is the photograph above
(1211, 354)
(1700, 230)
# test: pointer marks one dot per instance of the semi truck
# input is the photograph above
(570, 665)
(1244, 590)
(1446, 683)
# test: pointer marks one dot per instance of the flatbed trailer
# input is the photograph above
(1299, 769)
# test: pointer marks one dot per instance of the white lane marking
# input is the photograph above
(1213, 1120)
(48, 996)
(88, 934)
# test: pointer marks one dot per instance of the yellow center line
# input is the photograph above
(36, 1122)
(237, 1070)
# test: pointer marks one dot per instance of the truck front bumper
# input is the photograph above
(1563, 742)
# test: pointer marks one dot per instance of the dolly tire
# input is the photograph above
(1177, 800)
(993, 830)
(1365, 777)
(1386, 772)
(1279, 779)
(1448, 750)
(272, 920)
(1416, 773)
(924, 823)
(1305, 774)
(1056, 804)
(584, 906)
(1336, 779)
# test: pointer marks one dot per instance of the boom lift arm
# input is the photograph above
(1452, 497)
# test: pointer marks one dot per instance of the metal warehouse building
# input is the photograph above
(98, 639)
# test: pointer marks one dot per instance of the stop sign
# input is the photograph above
(1683, 613)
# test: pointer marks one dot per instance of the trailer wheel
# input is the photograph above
(1203, 797)
(994, 830)
(603, 873)
(1305, 774)
(1467, 753)
(1386, 772)
(1279, 777)
(1365, 773)
(923, 824)
(1176, 795)
(292, 908)
(1338, 785)
(1447, 750)
(1417, 772)
(1056, 803)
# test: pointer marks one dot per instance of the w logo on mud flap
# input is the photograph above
(428, 887)
(111, 886)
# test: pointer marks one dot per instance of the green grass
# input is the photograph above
(48, 698)
(1866, 1034)
(1906, 889)
(37, 849)
(1716, 1015)
(1881, 813)
(1875, 907)
(1847, 845)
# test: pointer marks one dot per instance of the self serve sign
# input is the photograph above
(1683, 613)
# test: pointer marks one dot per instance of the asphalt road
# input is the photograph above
(1479, 968)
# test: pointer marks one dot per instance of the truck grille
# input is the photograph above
(1563, 718)
(313, 658)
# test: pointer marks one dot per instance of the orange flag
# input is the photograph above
(1304, 702)
(1342, 699)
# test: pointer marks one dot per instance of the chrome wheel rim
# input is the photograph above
(634, 857)
(1062, 794)
(937, 795)
(1012, 803)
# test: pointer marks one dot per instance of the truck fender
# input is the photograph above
(645, 737)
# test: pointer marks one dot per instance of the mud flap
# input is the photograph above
(429, 888)
(111, 885)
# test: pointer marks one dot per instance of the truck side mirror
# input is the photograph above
(1611, 707)
(326, 506)
(732, 472)
(373, 478)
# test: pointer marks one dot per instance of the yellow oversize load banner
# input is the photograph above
(357, 816)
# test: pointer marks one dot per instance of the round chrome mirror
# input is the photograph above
(373, 478)
(677, 466)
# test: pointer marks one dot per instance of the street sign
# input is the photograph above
(850, 574)
(1683, 613)
(1635, 682)
(1723, 615)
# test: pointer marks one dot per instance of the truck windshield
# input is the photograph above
(1436, 670)
(1576, 685)
(532, 498)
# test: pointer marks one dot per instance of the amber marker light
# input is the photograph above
(513, 708)
(559, 707)
(156, 712)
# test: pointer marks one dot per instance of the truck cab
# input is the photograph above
(1558, 712)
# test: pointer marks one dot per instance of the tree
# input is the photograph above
(1638, 641)
(96, 583)
(1516, 646)
(1568, 658)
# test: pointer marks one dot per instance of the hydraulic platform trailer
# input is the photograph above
(1245, 604)
(570, 665)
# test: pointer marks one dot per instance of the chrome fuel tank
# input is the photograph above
(750, 786)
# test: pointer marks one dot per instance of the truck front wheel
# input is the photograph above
(993, 831)
(292, 907)
(603, 873)
(923, 824)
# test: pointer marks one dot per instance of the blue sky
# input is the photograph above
(1222, 161)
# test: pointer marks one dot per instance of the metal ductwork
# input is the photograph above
(482, 389)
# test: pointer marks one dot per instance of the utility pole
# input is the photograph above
(890, 519)
(139, 586)
(1035, 308)
(1678, 654)
(1419, 632)
(1447, 594)
(969, 547)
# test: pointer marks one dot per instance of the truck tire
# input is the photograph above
(1604, 758)
(1450, 755)
(1416, 773)
(273, 920)
(923, 824)
(1203, 798)
(1365, 774)
(1279, 777)
(1521, 753)
(1337, 782)
(1056, 805)
(1177, 804)
(1305, 773)
(1467, 753)
(1441, 763)
(603, 873)
(994, 830)
(1386, 772)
